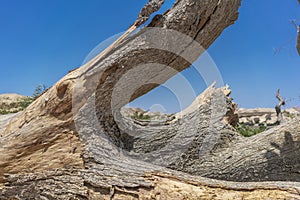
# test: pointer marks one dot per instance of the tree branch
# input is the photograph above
(278, 106)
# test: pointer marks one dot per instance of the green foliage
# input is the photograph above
(24, 103)
(140, 116)
(38, 91)
(4, 112)
(248, 131)
(18, 106)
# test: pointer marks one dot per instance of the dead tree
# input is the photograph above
(71, 144)
(278, 107)
(151, 7)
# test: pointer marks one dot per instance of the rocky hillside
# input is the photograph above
(13, 103)
(145, 118)
(250, 117)
(265, 116)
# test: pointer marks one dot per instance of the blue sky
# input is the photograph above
(41, 41)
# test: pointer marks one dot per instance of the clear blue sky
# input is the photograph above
(41, 41)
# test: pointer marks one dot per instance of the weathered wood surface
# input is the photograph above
(70, 143)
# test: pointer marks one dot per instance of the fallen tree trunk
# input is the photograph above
(72, 143)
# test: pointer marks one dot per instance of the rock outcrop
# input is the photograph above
(147, 118)
(265, 116)
(72, 143)
(12, 103)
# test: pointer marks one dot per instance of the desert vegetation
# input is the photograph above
(248, 131)
(13, 103)
(140, 116)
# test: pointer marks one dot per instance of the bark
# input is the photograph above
(151, 7)
(72, 143)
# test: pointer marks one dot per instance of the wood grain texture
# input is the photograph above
(69, 145)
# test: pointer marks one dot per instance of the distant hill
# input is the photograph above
(265, 116)
(251, 117)
(13, 103)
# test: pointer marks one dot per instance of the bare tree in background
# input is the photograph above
(298, 37)
(278, 107)
(298, 40)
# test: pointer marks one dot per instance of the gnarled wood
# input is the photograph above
(69, 143)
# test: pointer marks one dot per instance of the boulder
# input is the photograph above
(265, 116)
